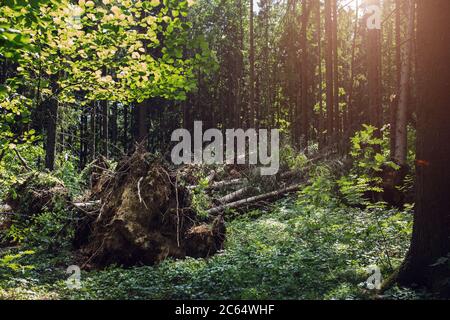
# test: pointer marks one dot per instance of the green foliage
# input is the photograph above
(12, 170)
(290, 159)
(200, 200)
(296, 251)
(42, 218)
(14, 17)
(370, 155)
(67, 171)
(43, 231)
(320, 190)
(78, 52)
(11, 261)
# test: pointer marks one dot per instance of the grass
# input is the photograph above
(296, 250)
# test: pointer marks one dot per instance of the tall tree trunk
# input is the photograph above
(52, 122)
(93, 130)
(83, 139)
(400, 148)
(114, 116)
(430, 240)
(304, 112)
(337, 114)
(329, 70)
(252, 70)
(374, 72)
(141, 123)
(126, 127)
(320, 122)
(105, 124)
(398, 64)
(240, 68)
(351, 110)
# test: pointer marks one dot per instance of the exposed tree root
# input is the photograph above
(145, 217)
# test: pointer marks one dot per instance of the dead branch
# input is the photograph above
(22, 160)
(252, 200)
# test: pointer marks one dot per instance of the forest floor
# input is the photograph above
(301, 247)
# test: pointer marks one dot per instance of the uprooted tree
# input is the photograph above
(145, 217)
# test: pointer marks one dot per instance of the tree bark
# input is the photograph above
(320, 122)
(52, 121)
(336, 111)
(93, 138)
(329, 70)
(252, 70)
(373, 75)
(401, 141)
(352, 111)
(105, 124)
(141, 125)
(304, 112)
(430, 240)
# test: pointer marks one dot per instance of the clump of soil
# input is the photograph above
(145, 217)
(38, 193)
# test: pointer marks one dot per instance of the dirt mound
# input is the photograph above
(38, 193)
(145, 217)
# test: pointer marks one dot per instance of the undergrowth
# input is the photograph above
(300, 249)
(317, 244)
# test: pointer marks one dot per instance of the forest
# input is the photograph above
(224, 149)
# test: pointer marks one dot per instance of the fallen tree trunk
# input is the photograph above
(221, 184)
(6, 209)
(252, 200)
(234, 195)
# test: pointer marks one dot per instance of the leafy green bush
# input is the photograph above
(67, 171)
(42, 214)
(44, 231)
(200, 201)
(11, 261)
(290, 159)
(321, 188)
(370, 155)
(12, 169)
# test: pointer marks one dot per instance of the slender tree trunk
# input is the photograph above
(337, 114)
(320, 122)
(126, 127)
(401, 142)
(114, 116)
(350, 106)
(374, 81)
(93, 130)
(252, 69)
(83, 138)
(304, 76)
(105, 124)
(329, 70)
(398, 64)
(52, 122)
